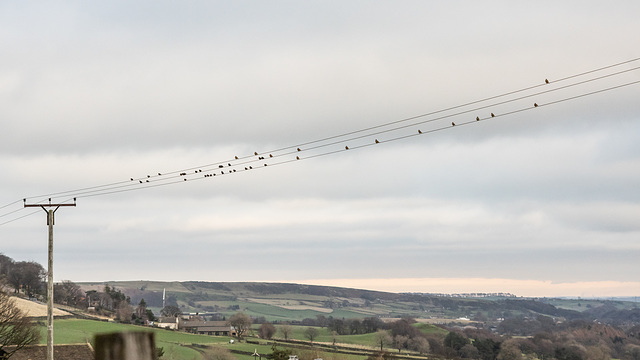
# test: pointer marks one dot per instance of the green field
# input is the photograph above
(76, 331)
(180, 345)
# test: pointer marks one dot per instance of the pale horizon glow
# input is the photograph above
(525, 288)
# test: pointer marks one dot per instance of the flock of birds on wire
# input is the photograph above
(294, 153)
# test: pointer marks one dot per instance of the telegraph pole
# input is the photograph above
(50, 222)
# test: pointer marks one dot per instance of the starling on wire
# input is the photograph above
(546, 81)
(346, 148)
(453, 124)
(299, 149)
(377, 142)
(477, 118)
(535, 104)
(492, 115)
(419, 131)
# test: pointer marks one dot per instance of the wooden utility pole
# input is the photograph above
(50, 222)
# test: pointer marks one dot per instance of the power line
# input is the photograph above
(421, 132)
(210, 170)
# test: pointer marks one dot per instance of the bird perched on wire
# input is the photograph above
(535, 104)
(236, 158)
(492, 115)
(377, 142)
(299, 149)
(546, 81)
(346, 148)
(297, 157)
(255, 153)
(453, 124)
(477, 118)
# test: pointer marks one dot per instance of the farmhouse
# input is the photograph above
(168, 322)
(218, 328)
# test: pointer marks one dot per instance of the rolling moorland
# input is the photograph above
(474, 326)
(279, 302)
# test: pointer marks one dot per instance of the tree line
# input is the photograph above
(27, 277)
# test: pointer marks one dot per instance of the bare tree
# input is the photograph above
(171, 311)
(286, 330)
(382, 338)
(27, 276)
(16, 330)
(266, 331)
(69, 293)
(311, 333)
(241, 322)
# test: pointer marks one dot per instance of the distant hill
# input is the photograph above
(296, 302)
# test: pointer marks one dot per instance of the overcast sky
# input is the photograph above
(540, 202)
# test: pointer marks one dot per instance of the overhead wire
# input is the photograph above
(403, 136)
(167, 178)
(114, 189)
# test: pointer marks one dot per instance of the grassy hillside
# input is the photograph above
(180, 345)
(278, 302)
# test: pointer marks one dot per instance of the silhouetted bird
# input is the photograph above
(492, 115)
(131, 179)
(546, 81)
(140, 181)
(222, 172)
(185, 179)
(236, 158)
(477, 118)
(220, 166)
(346, 148)
(255, 153)
(270, 155)
(453, 124)
(265, 164)
(250, 167)
(419, 131)
(535, 104)
(159, 174)
(299, 149)
(246, 168)
(297, 157)
(148, 176)
(377, 142)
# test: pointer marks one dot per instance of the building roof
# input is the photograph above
(198, 323)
